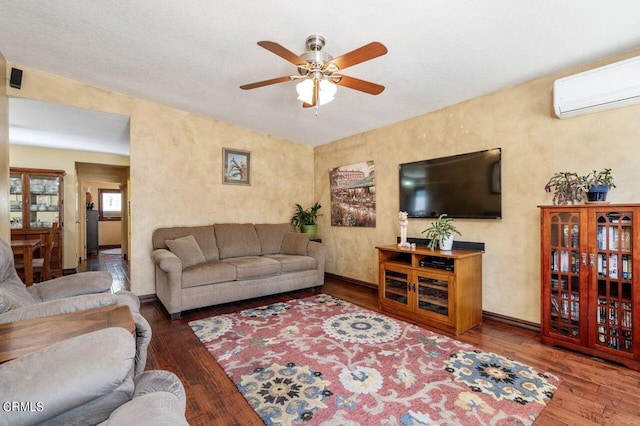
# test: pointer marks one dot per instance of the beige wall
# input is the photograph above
(175, 166)
(5, 229)
(535, 145)
(59, 159)
(176, 161)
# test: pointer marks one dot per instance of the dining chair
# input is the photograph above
(42, 265)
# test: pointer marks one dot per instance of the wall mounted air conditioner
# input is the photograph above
(610, 86)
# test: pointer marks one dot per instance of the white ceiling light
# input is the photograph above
(326, 91)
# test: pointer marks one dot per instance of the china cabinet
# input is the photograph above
(442, 289)
(589, 294)
(36, 201)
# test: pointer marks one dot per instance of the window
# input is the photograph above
(110, 204)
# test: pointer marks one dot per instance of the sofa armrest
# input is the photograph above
(166, 261)
(72, 285)
(57, 307)
(319, 252)
(168, 280)
(66, 383)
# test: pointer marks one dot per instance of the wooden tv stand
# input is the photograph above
(442, 289)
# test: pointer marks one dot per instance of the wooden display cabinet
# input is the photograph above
(589, 294)
(36, 200)
(442, 289)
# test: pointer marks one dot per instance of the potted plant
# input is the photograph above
(441, 232)
(598, 184)
(306, 220)
(567, 187)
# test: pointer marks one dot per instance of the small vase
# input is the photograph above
(446, 243)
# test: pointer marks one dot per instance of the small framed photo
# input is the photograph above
(236, 167)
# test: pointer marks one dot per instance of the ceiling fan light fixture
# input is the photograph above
(326, 94)
(318, 76)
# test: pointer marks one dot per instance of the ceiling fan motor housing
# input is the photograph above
(315, 57)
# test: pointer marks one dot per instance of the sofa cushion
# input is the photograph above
(208, 273)
(237, 239)
(250, 267)
(292, 263)
(187, 250)
(295, 243)
(271, 235)
(204, 235)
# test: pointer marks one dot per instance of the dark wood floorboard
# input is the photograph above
(593, 392)
(113, 263)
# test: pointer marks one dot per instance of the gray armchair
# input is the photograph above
(71, 293)
(89, 380)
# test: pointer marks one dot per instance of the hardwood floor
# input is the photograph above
(593, 392)
(113, 263)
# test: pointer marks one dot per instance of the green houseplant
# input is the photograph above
(306, 220)
(441, 232)
(598, 185)
(567, 187)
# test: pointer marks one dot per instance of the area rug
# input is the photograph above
(324, 361)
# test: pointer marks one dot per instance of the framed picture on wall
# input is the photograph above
(236, 167)
(353, 195)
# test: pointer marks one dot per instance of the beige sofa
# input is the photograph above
(200, 266)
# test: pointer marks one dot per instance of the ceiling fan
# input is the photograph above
(319, 72)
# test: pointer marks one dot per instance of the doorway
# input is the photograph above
(103, 226)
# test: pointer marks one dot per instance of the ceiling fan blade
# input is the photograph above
(283, 52)
(265, 83)
(364, 53)
(361, 85)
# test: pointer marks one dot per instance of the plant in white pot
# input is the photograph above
(306, 220)
(441, 233)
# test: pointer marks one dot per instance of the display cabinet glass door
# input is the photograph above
(566, 300)
(15, 200)
(612, 284)
(44, 200)
(396, 285)
(434, 294)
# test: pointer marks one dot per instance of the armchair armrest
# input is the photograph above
(93, 372)
(57, 307)
(72, 285)
(158, 409)
(166, 260)
(143, 338)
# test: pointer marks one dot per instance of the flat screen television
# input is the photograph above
(462, 186)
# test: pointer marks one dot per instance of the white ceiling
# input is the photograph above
(48, 125)
(194, 55)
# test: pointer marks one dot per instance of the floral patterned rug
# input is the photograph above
(324, 361)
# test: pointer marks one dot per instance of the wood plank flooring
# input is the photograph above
(593, 392)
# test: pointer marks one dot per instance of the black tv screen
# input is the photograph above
(462, 186)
